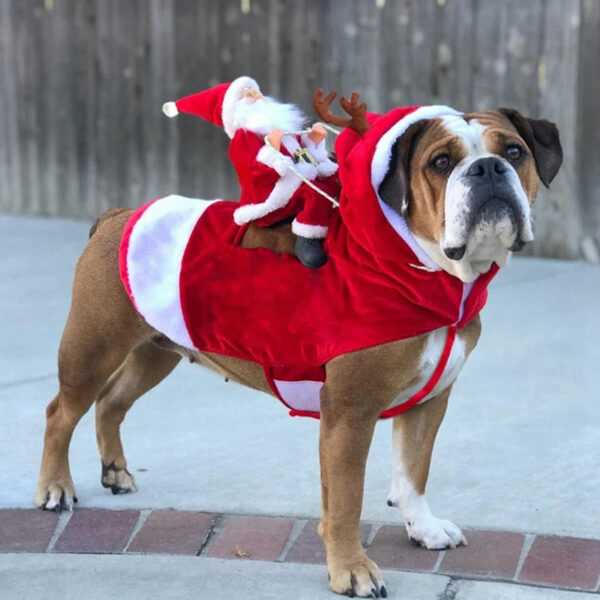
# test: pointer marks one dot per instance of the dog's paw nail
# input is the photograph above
(75, 499)
(351, 593)
(383, 592)
(390, 503)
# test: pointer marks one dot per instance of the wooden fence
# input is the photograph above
(82, 83)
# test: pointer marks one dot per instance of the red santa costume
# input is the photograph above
(183, 269)
(271, 190)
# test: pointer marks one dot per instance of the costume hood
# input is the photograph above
(363, 163)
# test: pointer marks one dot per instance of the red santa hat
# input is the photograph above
(216, 104)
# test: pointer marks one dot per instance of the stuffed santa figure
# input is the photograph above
(268, 152)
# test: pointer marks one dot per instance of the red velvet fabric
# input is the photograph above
(207, 104)
(268, 308)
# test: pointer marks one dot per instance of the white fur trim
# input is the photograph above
(170, 109)
(267, 155)
(156, 247)
(300, 395)
(309, 231)
(280, 195)
(319, 152)
(379, 169)
(231, 98)
(291, 144)
(325, 167)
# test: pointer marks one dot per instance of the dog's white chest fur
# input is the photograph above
(430, 360)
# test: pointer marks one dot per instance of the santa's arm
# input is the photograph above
(266, 165)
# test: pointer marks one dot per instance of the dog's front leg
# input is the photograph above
(347, 426)
(414, 436)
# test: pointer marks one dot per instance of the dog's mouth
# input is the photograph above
(497, 221)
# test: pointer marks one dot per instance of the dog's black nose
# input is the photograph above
(455, 253)
(489, 166)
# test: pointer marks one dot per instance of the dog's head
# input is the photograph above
(465, 183)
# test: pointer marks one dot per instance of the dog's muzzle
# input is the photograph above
(493, 206)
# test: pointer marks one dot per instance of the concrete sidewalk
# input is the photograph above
(29, 577)
(518, 450)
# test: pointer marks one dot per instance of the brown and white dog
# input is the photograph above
(466, 185)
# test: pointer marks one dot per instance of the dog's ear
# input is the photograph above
(394, 190)
(542, 138)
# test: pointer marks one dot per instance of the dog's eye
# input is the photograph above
(514, 152)
(441, 163)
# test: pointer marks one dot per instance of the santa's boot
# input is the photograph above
(310, 252)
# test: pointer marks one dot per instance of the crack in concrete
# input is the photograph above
(215, 529)
(451, 590)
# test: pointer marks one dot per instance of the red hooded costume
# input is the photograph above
(183, 270)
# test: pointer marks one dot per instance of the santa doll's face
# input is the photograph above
(250, 95)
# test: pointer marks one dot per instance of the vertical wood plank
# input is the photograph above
(11, 193)
(558, 221)
(588, 134)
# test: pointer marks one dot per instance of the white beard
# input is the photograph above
(265, 114)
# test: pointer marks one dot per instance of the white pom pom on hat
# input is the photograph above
(170, 109)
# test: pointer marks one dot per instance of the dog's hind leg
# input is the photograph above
(101, 329)
(82, 374)
(413, 439)
(145, 367)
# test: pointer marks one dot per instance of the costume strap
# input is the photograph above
(428, 387)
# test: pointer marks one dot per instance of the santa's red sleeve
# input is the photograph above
(266, 180)
(251, 155)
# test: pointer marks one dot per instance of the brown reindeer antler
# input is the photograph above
(358, 119)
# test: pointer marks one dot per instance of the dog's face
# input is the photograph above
(466, 185)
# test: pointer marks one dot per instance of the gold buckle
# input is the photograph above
(304, 155)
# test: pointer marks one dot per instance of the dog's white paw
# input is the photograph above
(55, 496)
(435, 534)
(120, 481)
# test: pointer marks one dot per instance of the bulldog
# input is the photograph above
(439, 196)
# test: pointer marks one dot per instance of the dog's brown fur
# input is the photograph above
(110, 356)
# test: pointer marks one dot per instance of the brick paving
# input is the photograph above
(541, 560)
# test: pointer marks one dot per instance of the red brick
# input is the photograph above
(24, 530)
(309, 548)
(489, 553)
(391, 549)
(97, 531)
(563, 562)
(256, 538)
(172, 532)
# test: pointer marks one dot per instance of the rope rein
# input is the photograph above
(307, 181)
